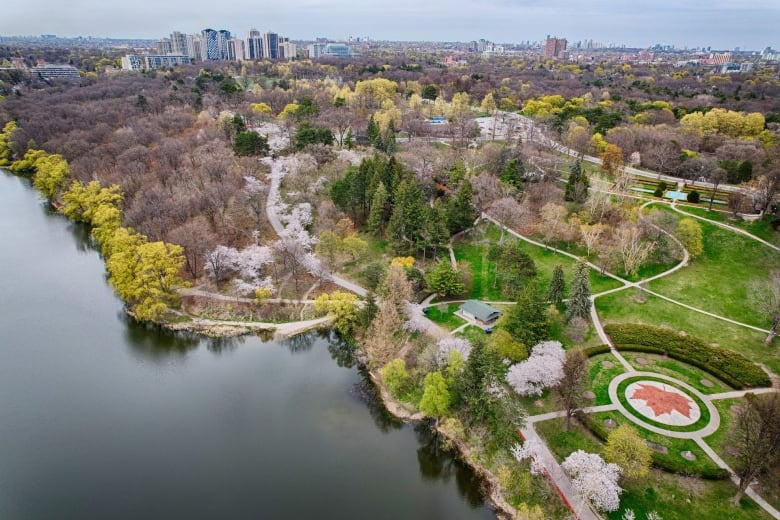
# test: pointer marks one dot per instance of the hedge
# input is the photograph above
(596, 350)
(730, 367)
(660, 461)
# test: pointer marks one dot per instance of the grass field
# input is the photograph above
(443, 314)
(720, 280)
(760, 228)
(600, 377)
(623, 307)
(681, 371)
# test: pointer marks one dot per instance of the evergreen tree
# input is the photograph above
(557, 286)
(372, 131)
(480, 372)
(527, 321)
(460, 209)
(408, 219)
(436, 233)
(349, 140)
(577, 185)
(376, 217)
(513, 173)
(579, 297)
(445, 280)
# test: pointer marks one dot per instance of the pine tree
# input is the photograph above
(579, 297)
(577, 185)
(557, 286)
(406, 223)
(460, 209)
(527, 321)
(376, 217)
(372, 131)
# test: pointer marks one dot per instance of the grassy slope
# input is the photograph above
(719, 280)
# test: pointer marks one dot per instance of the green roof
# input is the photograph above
(480, 310)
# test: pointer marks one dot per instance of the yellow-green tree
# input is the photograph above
(51, 173)
(627, 449)
(342, 307)
(436, 397)
(81, 201)
(26, 165)
(396, 377)
(5, 142)
(145, 274)
(105, 222)
(690, 234)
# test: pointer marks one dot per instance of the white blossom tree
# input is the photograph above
(594, 479)
(530, 449)
(542, 369)
(416, 321)
(446, 345)
(221, 263)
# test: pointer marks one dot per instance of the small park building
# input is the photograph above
(481, 312)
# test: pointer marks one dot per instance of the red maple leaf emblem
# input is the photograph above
(661, 401)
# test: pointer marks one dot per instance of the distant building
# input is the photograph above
(254, 45)
(316, 50)
(153, 61)
(67, 72)
(179, 43)
(555, 48)
(287, 50)
(337, 49)
(270, 45)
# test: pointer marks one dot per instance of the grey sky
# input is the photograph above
(749, 24)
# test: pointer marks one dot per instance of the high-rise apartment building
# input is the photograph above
(178, 43)
(270, 45)
(555, 48)
(164, 46)
(254, 45)
(236, 49)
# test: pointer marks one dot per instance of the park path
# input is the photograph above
(279, 169)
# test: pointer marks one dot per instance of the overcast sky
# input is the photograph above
(721, 24)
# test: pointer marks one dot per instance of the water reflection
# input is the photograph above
(224, 345)
(299, 344)
(437, 462)
(154, 342)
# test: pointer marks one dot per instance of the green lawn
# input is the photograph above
(760, 228)
(679, 370)
(444, 315)
(623, 307)
(600, 377)
(719, 281)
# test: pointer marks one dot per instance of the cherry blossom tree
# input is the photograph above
(446, 345)
(530, 449)
(544, 368)
(415, 318)
(594, 480)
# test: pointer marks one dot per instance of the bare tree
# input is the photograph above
(632, 249)
(507, 212)
(573, 383)
(717, 177)
(756, 436)
(766, 297)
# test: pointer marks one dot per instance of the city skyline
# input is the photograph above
(722, 25)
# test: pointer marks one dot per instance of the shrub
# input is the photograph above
(693, 196)
(731, 367)
(396, 377)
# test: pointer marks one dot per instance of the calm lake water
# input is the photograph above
(101, 418)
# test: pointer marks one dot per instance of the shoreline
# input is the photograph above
(493, 495)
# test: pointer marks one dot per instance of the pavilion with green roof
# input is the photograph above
(479, 311)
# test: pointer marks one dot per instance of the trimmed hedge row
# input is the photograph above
(659, 460)
(730, 367)
(596, 350)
